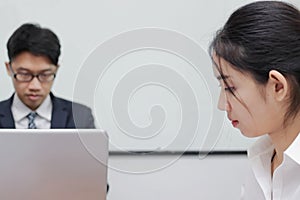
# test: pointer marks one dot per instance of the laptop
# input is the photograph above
(53, 164)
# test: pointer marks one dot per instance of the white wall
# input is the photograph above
(213, 178)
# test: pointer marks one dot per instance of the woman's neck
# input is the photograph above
(282, 139)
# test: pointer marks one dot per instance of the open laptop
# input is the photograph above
(53, 164)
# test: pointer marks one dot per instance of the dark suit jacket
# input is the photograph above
(65, 114)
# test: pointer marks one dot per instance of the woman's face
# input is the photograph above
(252, 109)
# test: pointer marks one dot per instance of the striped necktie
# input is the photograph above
(31, 116)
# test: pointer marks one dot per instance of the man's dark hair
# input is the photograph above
(36, 40)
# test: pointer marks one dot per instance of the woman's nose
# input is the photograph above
(223, 103)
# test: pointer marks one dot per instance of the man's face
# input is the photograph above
(32, 93)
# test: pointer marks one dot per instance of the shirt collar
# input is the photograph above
(294, 149)
(263, 148)
(45, 109)
(20, 110)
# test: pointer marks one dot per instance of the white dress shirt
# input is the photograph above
(20, 112)
(285, 183)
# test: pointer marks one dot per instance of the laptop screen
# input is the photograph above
(60, 164)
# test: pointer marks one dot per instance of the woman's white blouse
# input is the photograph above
(285, 184)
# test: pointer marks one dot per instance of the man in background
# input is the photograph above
(33, 54)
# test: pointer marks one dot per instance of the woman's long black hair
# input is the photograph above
(260, 37)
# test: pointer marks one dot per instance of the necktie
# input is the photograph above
(31, 116)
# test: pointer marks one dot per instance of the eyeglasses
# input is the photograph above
(27, 77)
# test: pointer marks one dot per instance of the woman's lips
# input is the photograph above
(234, 123)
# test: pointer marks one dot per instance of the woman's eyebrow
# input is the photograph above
(222, 77)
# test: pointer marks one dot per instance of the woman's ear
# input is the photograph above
(279, 85)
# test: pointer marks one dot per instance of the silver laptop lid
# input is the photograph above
(53, 164)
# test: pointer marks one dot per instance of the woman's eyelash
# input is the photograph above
(229, 89)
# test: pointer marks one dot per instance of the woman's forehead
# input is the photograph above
(225, 70)
(221, 66)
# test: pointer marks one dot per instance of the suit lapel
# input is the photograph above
(59, 113)
(6, 117)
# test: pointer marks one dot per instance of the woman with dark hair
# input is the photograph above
(257, 61)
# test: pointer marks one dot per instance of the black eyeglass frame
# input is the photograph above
(51, 76)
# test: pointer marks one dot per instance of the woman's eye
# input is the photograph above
(230, 89)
